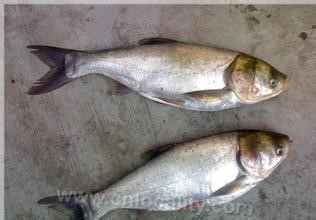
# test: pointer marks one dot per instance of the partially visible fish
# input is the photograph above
(211, 170)
(180, 74)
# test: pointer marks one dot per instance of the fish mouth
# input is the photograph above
(282, 88)
(289, 144)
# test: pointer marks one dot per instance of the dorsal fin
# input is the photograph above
(156, 40)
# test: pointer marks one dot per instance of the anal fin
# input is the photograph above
(117, 87)
(120, 89)
(194, 205)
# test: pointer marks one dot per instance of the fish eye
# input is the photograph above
(279, 150)
(273, 83)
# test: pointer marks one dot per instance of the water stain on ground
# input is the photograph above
(303, 35)
(25, 8)
(262, 195)
(89, 19)
(252, 21)
(251, 8)
(284, 189)
(117, 29)
(122, 147)
(123, 9)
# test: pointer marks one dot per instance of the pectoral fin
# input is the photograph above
(174, 101)
(232, 188)
(157, 40)
(209, 96)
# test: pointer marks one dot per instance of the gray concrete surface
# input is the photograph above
(78, 138)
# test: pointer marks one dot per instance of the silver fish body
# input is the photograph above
(164, 73)
(173, 68)
(186, 174)
(185, 75)
(211, 170)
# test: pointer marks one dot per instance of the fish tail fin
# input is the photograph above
(56, 77)
(77, 203)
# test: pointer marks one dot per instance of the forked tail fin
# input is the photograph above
(55, 58)
(77, 203)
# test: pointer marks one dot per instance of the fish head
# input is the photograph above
(261, 152)
(254, 80)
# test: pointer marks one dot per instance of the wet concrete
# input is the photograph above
(78, 138)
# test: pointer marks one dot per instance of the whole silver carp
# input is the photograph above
(211, 170)
(180, 74)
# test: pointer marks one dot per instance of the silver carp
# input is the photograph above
(184, 75)
(211, 170)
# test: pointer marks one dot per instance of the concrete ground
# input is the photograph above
(78, 138)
